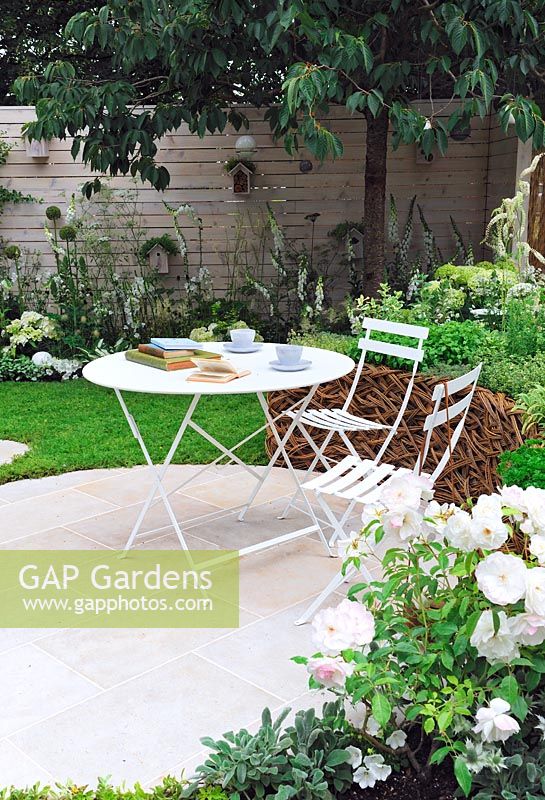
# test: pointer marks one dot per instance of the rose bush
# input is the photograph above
(442, 658)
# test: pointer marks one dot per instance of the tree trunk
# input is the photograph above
(375, 201)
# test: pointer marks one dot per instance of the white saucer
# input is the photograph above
(290, 367)
(250, 348)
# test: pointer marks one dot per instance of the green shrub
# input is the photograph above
(169, 789)
(19, 368)
(513, 375)
(337, 342)
(456, 343)
(307, 761)
(525, 466)
(532, 404)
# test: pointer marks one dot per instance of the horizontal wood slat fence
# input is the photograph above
(492, 426)
(465, 184)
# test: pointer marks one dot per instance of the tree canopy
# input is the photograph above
(31, 35)
(196, 61)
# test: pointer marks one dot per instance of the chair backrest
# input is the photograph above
(408, 352)
(446, 409)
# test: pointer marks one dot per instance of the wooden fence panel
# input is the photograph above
(465, 184)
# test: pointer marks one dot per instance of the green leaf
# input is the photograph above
(381, 708)
(337, 757)
(463, 775)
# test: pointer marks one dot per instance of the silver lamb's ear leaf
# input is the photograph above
(280, 718)
(266, 719)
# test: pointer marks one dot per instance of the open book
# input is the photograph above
(220, 371)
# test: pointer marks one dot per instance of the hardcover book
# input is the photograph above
(174, 344)
(167, 364)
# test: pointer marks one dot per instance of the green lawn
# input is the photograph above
(76, 425)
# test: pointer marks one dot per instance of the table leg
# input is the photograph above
(157, 473)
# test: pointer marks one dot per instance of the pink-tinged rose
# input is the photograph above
(406, 491)
(494, 723)
(330, 672)
(406, 523)
(348, 625)
(501, 577)
(528, 628)
(535, 591)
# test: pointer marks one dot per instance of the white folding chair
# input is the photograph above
(362, 480)
(339, 420)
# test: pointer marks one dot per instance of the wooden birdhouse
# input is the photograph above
(356, 240)
(37, 148)
(242, 179)
(158, 259)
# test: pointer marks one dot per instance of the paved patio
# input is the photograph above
(133, 703)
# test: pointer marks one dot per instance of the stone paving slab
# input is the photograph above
(134, 703)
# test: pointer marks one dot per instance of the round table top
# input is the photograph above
(115, 372)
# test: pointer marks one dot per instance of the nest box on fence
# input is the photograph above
(158, 259)
(356, 240)
(37, 148)
(242, 178)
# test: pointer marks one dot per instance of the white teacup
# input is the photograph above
(289, 354)
(242, 337)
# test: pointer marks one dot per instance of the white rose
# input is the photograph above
(406, 523)
(488, 505)
(495, 647)
(537, 548)
(342, 627)
(528, 628)
(372, 770)
(513, 497)
(402, 491)
(488, 532)
(534, 500)
(436, 517)
(535, 591)
(494, 723)
(330, 672)
(458, 531)
(501, 577)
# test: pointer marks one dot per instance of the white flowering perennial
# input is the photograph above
(472, 553)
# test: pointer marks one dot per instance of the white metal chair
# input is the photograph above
(339, 420)
(362, 480)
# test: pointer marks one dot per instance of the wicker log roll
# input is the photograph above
(492, 426)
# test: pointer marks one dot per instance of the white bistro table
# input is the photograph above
(115, 372)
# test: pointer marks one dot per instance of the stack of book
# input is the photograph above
(169, 354)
